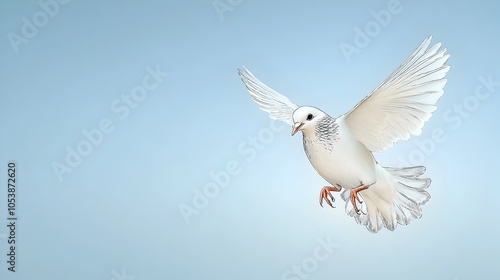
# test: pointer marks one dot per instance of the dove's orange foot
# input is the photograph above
(325, 194)
(354, 197)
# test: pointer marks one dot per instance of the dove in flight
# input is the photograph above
(340, 149)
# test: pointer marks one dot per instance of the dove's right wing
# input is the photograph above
(399, 107)
(278, 106)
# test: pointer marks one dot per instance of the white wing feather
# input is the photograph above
(399, 107)
(278, 106)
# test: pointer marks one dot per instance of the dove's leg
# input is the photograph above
(354, 197)
(325, 194)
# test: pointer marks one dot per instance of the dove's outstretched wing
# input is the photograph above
(399, 107)
(278, 106)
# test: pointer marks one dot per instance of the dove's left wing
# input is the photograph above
(399, 107)
(278, 106)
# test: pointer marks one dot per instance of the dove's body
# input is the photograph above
(341, 149)
(338, 157)
(343, 161)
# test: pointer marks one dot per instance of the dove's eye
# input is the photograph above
(309, 117)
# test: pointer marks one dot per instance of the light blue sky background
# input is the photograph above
(119, 208)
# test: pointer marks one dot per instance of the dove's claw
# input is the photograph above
(355, 197)
(325, 194)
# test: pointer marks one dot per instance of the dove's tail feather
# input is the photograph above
(410, 192)
(394, 199)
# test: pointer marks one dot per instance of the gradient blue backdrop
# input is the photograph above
(117, 213)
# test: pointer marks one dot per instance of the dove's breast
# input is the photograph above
(340, 158)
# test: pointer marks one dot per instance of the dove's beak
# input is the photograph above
(296, 127)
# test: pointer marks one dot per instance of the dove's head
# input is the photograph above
(305, 119)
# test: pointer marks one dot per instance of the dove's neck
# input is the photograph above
(326, 131)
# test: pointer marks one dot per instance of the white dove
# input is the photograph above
(340, 149)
